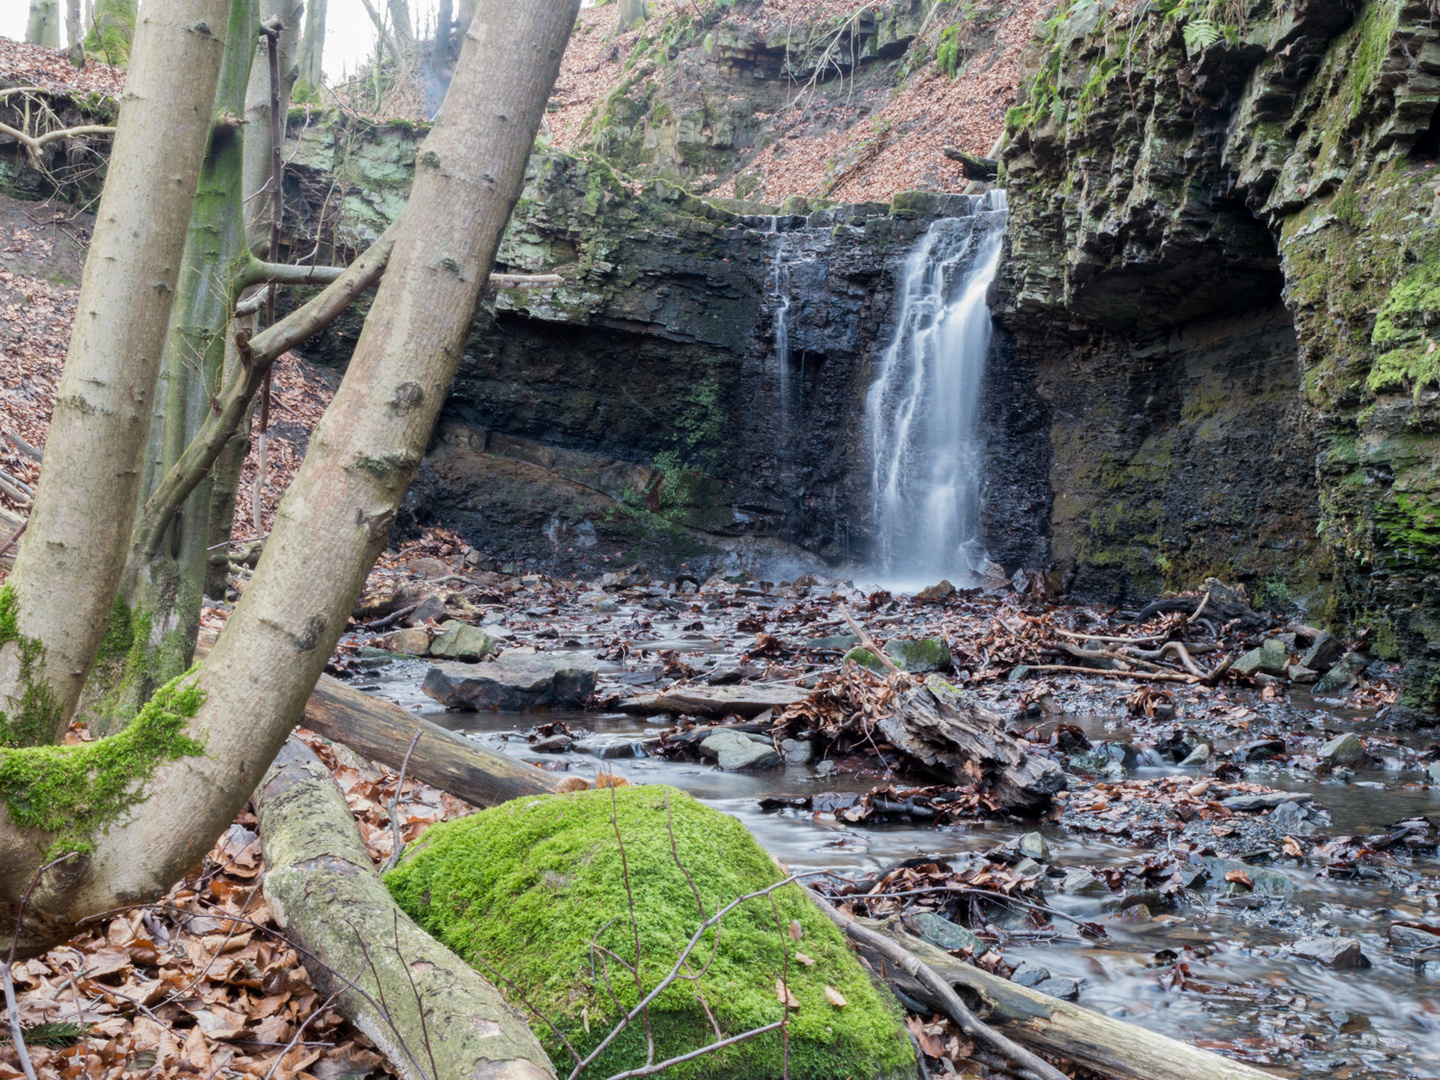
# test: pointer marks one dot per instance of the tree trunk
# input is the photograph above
(464, 12)
(67, 574)
(163, 582)
(440, 1018)
(257, 115)
(74, 33)
(401, 25)
(631, 12)
(335, 518)
(112, 30)
(312, 51)
(440, 58)
(43, 25)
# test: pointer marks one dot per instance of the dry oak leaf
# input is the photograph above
(786, 997)
(835, 997)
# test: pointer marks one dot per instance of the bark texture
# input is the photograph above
(257, 113)
(312, 49)
(67, 573)
(335, 517)
(631, 12)
(440, 1018)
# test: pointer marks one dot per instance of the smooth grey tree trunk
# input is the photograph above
(631, 12)
(312, 50)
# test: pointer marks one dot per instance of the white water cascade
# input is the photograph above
(779, 282)
(923, 410)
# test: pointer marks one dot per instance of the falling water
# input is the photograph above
(780, 295)
(922, 412)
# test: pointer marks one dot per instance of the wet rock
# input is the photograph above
(866, 659)
(428, 568)
(555, 744)
(1264, 882)
(1343, 675)
(1017, 673)
(1432, 772)
(1032, 845)
(513, 683)
(1298, 673)
(1342, 954)
(1028, 974)
(1027, 867)
(836, 642)
(427, 608)
(1197, 757)
(940, 931)
(735, 753)
(1292, 817)
(924, 654)
(797, 751)
(412, 642)
(1065, 989)
(1165, 710)
(461, 642)
(1264, 801)
(1324, 654)
(618, 745)
(936, 592)
(1342, 750)
(1269, 659)
(1412, 937)
(606, 606)
(993, 577)
(372, 658)
(748, 700)
(1083, 883)
(1260, 749)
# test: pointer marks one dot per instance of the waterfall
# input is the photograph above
(922, 411)
(780, 295)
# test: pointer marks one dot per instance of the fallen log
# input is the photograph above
(425, 1009)
(938, 728)
(1035, 1020)
(972, 165)
(380, 730)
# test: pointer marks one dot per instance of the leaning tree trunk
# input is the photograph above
(69, 566)
(154, 624)
(338, 511)
(440, 1018)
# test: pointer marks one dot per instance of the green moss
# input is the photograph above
(34, 716)
(527, 888)
(72, 793)
(866, 659)
(1376, 26)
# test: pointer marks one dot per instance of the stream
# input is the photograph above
(1214, 971)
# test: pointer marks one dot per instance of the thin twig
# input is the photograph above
(399, 845)
(16, 1035)
(14, 537)
(869, 642)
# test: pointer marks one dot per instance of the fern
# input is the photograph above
(1201, 33)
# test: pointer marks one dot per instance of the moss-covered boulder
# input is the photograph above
(529, 889)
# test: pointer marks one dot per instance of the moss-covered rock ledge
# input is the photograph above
(529, 888)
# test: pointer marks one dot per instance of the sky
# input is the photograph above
(349, 33)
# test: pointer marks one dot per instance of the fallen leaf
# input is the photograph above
(835, 997)
(800, 956)
(1239, 877)
(783, 993)
(605, 780)
(1293, 848)
(796, 930)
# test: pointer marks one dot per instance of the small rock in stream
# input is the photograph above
(1197, 757)
(1412, 937)
(1342, 750)
(797, 751)
(940, 931)
(513, 683)
(924, 654)
(1270, 659)
(1262, 881)
(1065, 989)
(1083, 883)
(617, 745)
(1028, 974)
(555, 744)
(412, 642)
(458, 641)
(1342, 954)
(1032, 845)
(737, 753)
(1324, 654)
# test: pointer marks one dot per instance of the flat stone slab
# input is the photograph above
(749, 700)
(737, 753)
(1342, 954)
(617, 745)
(513, 684)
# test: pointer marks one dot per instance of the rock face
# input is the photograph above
(1222, 264)
(513, 683)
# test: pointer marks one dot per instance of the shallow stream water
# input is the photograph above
(1241, 992)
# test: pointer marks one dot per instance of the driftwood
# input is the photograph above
(428, 1012)
(380, 731)
(973, 166)
(939, 729)
(1036, 1020)
(1215, 607)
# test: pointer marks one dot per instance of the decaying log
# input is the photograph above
(972, 165)
(936, 727)
(1038, 1021)
(381, 730)
(426, 1010)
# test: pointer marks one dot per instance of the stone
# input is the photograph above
(993, 577)
(735, 753)
(484, 883)
(1269, 659)
(1083, 883)
(428, 568)
(606, 606)
(919, 655)
(1032, 845)
(797, 751)
(747, 700)
(617, 745)
(1292, 818)
(1065, 989)
(1342, 954)
(938, 591)
(1324, 654)
(1412, 937)
(950, 936)
(1342, 750)
(1260, 749)
(1298, 673)
(834, 643)
(1018, 673)
(1264, 882)
(555, 744)
(866, 659)
(427, 608)
(1028, 974)
(458, 641)
(513, 683)
(412, 642)
(1344, 674)
(1267, 800)
(1197, 757)
(1432, 772)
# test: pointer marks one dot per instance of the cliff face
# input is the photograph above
(1231, 229)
